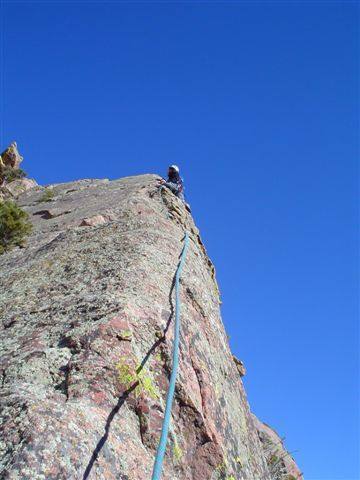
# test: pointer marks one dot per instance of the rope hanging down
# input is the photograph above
(156, 475)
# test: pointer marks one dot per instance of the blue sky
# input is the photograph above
(258, 103)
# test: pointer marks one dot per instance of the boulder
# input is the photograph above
(16, 187)
(96, 220)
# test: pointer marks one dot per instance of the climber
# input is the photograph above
(174, 182)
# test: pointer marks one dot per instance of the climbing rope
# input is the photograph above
(156, 475)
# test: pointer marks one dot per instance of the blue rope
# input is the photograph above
(156, 475)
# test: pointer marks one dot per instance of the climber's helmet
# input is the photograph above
(174, 168)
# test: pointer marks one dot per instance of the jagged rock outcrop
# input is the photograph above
(87, 310)
(12, 182)
(11, 157)
(240, 366)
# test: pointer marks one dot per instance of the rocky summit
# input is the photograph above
(87, 307)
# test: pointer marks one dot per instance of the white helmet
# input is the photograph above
(175, 167)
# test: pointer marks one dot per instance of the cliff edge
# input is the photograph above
(86, 309)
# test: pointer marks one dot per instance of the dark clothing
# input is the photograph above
(176, 185)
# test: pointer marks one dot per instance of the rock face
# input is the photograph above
(87, 319)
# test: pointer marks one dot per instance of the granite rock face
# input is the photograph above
(87, 318)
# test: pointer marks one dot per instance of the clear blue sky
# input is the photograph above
(258, 103)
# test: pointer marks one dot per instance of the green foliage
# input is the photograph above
(14, 225)
(9, 174)
(129, 376)
(47, 195)
(273, 459)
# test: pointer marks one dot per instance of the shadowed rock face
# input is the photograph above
(87, 318)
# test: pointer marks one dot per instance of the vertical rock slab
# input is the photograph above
(87, 316)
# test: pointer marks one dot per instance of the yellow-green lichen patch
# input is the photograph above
(136, 377)
(177, 451)
(222, 467)
(125, 335)
(222, 471)
(126, 374)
